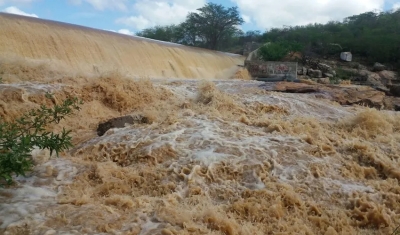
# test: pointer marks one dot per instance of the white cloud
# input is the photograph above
(271, 13)
(246, 18)
(396, 6)
(159, 12)
(104, 4)
(125, 31)
(137, 22)
(15, 10)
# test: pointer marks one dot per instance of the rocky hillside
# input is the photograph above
(383, 91)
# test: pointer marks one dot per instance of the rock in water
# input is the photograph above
(120, 122)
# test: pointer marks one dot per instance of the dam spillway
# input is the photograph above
(90, 50)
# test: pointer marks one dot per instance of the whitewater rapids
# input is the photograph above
(220, 157)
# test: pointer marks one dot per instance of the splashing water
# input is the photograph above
(222, 157)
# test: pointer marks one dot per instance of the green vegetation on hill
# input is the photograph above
(372, 36)
(275, 51)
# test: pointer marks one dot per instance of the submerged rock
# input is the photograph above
(120, 122)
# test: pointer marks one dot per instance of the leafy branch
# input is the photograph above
(19, 137)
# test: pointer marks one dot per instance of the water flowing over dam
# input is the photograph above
(91, 50)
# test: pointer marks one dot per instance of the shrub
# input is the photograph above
(18, 138)
(275, 51)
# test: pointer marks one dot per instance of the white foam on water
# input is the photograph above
(148, 228)
(26, 202)
(203, 142)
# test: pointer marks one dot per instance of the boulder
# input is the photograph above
(300, 72)
(325, 68)
(368, 77)
(383, 89)
(378, 67)
(329, 75)
(387, 77)
(345, 95)
(120, 122)
(395, 90)
(374, 78)
(305, 70)
(315, 73)
(392, 103)
(346, 56)
(324, 80)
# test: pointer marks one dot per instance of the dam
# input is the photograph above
(91, 50)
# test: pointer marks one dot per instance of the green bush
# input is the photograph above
(277, 50)
(19, 137)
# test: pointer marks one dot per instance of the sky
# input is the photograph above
(130, 16)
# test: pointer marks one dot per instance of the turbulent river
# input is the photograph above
(216, 157)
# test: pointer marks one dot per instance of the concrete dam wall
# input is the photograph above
(90, 50)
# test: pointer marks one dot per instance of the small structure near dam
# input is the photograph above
(272, 71)
(269, 71)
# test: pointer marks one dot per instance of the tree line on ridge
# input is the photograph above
(371, 36)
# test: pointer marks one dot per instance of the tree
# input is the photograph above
(213, 27)
(370, 36)
(169, 33)
(214, 22)
(18, 138)
(189, 35)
